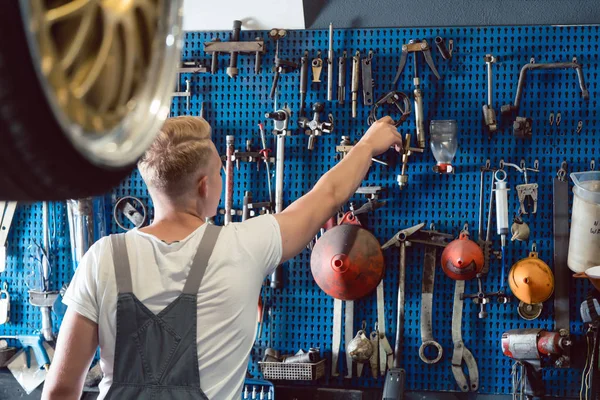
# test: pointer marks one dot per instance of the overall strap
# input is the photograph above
(200, 262)
(121, 263)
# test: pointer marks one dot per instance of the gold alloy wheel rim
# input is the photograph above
(95, 55)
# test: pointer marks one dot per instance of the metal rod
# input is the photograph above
(330, 59)
(400, 314)
(490, 93)
(46, 238)
(279, 159)
(229, 178)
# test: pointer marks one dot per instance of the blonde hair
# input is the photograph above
(181, 150)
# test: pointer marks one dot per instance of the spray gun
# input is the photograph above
(532, 349)
(35, 343)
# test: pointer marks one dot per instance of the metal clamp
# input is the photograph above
(398, 99)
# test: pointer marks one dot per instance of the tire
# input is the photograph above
(45, 154)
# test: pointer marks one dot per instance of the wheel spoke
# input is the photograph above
(68, 10)
(131, 48)
(83, 30)
(84, 79)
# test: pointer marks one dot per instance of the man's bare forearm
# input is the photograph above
(342, 180)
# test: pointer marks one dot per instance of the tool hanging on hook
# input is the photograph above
(315, 127)
(355, 82)
(367, 79)
(341, 88)
(526, 192)
(280, 66)
(281, 120)
(417, 46)
(330, 60)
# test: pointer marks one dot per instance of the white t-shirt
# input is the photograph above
(227, 299)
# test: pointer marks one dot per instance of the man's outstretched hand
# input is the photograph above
(381, 136)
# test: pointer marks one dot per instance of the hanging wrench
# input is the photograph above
(433, 240)
(373, 361)
(386, 354)
(337, 336)
(349, 334)
(461, 353)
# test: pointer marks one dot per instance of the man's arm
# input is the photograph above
(75, 348)
(300, 222)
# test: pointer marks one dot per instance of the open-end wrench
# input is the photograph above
(461, 353)
(337, 336)
(432, 240)
(386, 354)
(349, 334)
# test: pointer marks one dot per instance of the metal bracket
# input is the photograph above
(367, 79)
(317, 67)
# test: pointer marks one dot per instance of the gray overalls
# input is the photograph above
(156, 355)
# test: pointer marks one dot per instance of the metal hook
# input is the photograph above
(593, 165)
(363, 325)
(534, 247)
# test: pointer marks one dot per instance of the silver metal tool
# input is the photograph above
(303, 80)
(521, 125)
(367, 79)
(374, 360)
(330, 61)
(346, 145)
(445, 51)
(461, 354)
(234, 47)
(280, 66)
(131, 208)
(394, 381)
(386, 354)
(489, 114)
(7, 212)
(416, 46)
(432, 240)
(341, 88)
(265, 154)
(44, 298)
(526, 191)
(229, 166)
(80, 214)
(281, 120)
(337, 336)
(315, 127)
(348, 334)
(562, 274)
(355, 82)
(579, 126)
(317, 68)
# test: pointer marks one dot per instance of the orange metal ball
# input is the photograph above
(462, 259)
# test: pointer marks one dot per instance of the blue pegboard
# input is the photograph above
(301, 314)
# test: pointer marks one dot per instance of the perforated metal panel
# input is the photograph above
(301, 314)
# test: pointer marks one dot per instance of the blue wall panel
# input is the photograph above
(300, 315)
